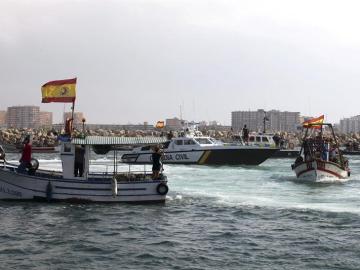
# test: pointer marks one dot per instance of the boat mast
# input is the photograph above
(337, 146)
(72, 111)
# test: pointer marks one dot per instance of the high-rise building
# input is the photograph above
(2, 117)
(23, 116)
(174, 123)
(46, 119)
(350, 125)
(274, 120)
(78, 117)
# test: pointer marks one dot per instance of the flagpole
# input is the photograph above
(72, 111)
(72, 116)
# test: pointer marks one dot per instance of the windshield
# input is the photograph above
(203, 141)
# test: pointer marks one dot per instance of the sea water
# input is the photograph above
(222, 217)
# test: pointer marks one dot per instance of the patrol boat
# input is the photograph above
(107, 186)
(201, 150)
(263, 139)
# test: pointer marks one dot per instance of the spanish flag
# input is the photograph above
(160, 124)
(59, 91)
(312, 123)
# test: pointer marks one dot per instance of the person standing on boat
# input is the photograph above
(25, 160)
(245, 134)
(157, 164)
(79, 160)
(170, 135)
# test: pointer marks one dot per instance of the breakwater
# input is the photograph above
(48, 137)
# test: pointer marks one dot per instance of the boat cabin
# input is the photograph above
(262, 140)
(69, 153)
(79, 149)
(185, 143)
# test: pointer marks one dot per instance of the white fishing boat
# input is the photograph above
(320, 157)
(193, 148)
(106, 186)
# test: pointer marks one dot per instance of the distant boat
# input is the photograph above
(41, 149)
(10, 148)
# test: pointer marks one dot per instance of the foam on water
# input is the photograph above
(272, 184)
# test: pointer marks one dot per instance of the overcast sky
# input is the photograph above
(141, 60)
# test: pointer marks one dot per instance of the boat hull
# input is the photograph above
(317, 169)
(286, 153)
(18, 186)
(242, 156)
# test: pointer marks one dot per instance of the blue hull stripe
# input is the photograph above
(75, 194)
(100, 189)
(49, 177)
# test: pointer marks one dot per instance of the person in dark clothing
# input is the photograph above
(157, 164)
(2, 153)
(79, 160)
(170, 135)
(245, 134)
(25, 160)
(277, 139)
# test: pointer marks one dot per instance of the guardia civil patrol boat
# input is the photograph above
(193, 148)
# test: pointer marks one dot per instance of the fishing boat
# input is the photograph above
(320, 156)
(76, 181)
(107, 186)
(193, 148)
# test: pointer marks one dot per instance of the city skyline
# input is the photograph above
(83, 115)
(141, 60)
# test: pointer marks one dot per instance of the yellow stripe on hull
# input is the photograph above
(204, 157)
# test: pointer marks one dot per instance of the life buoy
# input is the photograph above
(162, 189)
(34, 163)
(291, 146)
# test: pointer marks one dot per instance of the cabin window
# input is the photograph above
(251, 139)
(203, 141)
(67, 148)
(146, 148)
(265, 139)
(189, 142)
(166, 145)
(179, 142)
(258, 139)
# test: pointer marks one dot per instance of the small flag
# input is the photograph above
(59, 91)
(160, 124)
(312, 123)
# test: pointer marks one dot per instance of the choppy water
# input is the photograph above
(215, 217)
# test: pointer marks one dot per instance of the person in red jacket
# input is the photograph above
(25, 160)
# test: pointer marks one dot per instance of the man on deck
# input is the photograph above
(25, 160)
(245, 134)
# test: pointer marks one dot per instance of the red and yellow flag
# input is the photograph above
(59, 91)
(160, 124)
(312, 123)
